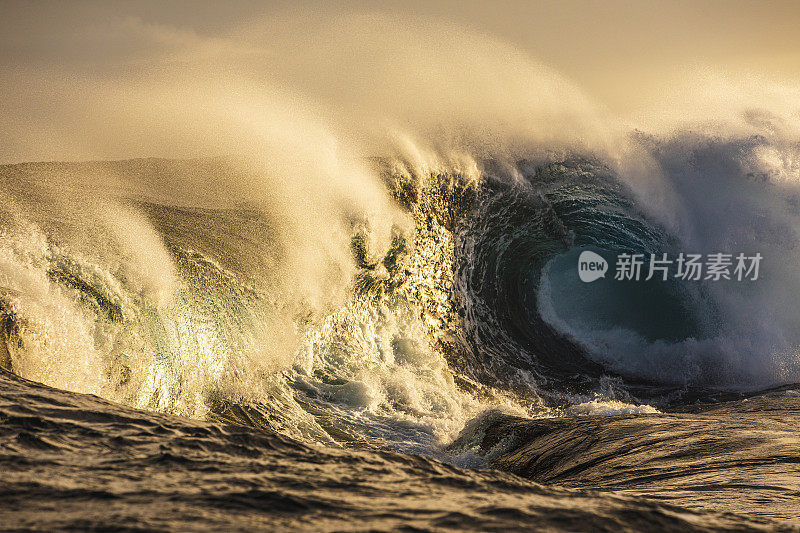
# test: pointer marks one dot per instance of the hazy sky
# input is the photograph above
(624, 54)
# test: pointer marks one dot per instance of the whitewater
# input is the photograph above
(343, 303)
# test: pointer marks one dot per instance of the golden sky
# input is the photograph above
(626, 56)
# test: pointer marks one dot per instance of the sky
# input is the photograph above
(628, 57)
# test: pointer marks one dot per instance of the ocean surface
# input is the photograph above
(173, 359)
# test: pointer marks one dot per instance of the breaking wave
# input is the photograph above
(474, 305)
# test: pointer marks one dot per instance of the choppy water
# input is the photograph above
(76, 462)
(460, 376)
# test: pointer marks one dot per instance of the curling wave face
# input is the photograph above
(475, 304)
(458, 341)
